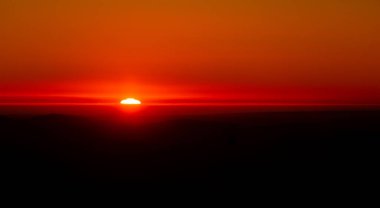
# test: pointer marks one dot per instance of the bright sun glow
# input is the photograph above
(130, 101)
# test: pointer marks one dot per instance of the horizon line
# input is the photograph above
(200, 104)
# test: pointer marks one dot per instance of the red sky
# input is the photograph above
(273, 50)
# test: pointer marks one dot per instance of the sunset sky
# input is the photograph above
(243, 50)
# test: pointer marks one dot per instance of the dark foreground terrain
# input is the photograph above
(220, 148)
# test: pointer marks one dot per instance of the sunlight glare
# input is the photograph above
(130, 101)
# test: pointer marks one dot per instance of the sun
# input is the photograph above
(130, 101)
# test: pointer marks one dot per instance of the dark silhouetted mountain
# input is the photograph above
(214, 148)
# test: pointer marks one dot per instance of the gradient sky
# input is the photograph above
(282, 50)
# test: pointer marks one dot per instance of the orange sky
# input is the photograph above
(283, 50)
